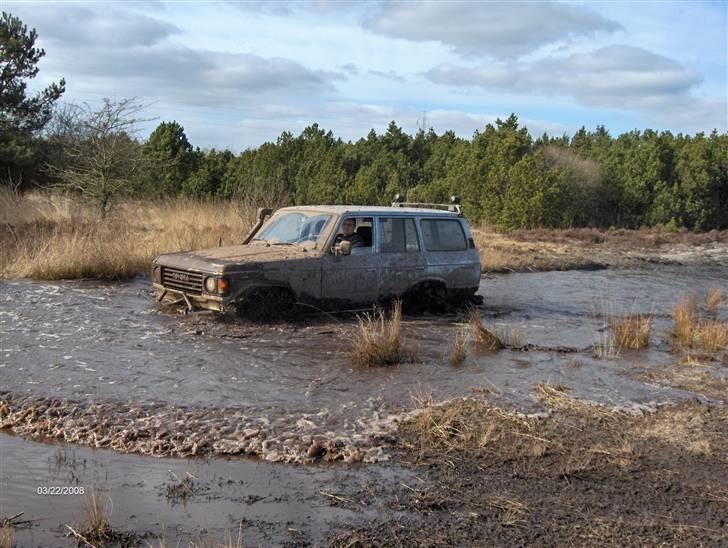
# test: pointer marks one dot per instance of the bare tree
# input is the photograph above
(98, 154)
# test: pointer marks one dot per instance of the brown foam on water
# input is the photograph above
(163, 430)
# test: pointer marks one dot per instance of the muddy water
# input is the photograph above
(98, 342)
(277, 504)
(110, 351)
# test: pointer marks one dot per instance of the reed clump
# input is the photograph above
(495, 338)
(6, 536)
(713, 300)
(378, 339)
(691, 330)
(94, 528)
(459, 349)
(632, 331)
(484, 338)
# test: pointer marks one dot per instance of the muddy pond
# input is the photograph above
(76, 349)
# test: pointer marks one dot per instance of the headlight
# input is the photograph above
(157, 274)
(211, 285)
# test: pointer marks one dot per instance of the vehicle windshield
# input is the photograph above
(296, 227)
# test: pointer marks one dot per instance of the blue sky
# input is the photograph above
(237, 74)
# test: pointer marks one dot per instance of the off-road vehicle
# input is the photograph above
(314, 256)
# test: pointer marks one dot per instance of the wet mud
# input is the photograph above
(580, 475)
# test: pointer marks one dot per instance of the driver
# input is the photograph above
(347, 234)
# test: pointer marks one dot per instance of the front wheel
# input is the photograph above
(267, 304)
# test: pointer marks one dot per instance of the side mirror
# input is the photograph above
(344, 248)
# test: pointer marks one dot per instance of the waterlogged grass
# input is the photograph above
(713, 300)
(94, 528)
(51, 237)
(494, 338)
(378, 339)
(459, 349)
(693, 330)
(631, 331)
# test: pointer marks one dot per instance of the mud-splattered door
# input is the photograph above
(352, 278)
(403, 264)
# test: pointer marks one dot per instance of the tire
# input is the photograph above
(426, 297)
(267, 304)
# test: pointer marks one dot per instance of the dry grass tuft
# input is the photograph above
(685, 429)
(459, 350)
(631, 331)
(466, 425)
(378, 340)
(711, 336)
(713, 300)
(51, 237)
(510, 337)
(691, 330)
(495, 338)
(685, 317)
(6, 536)
(512, 510)
(94, 528)
(236, 542)
(574, 363)
(483, 337)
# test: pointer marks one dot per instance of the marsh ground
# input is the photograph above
(560, 439)
(97, 365)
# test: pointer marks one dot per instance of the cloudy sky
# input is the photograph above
(237, 74)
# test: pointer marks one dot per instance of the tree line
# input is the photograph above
(504, 176)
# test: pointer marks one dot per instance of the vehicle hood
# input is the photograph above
(230, 258)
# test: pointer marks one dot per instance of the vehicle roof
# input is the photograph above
(373, 210)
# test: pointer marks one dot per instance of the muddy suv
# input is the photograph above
(328, 257)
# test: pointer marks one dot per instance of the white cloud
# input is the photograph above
(614, 76)
(497, 29)
(96, 25)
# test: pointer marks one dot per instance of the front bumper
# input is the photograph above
(204, 301)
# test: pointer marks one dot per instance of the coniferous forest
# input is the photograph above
(504, 176)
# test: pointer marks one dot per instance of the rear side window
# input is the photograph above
(443, 235)
(397, 235)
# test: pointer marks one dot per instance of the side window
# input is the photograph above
(443, 235)
(398, 235)
(357, 230)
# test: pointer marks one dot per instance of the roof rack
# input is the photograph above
(453, 206)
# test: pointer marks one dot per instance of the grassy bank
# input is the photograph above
(52, 237)
(586, 248)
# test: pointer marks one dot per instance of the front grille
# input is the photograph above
(182, 280)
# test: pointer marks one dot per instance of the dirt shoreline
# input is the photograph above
(581, 476)
(590, 249)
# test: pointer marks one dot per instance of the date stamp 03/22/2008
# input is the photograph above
(51, 490)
